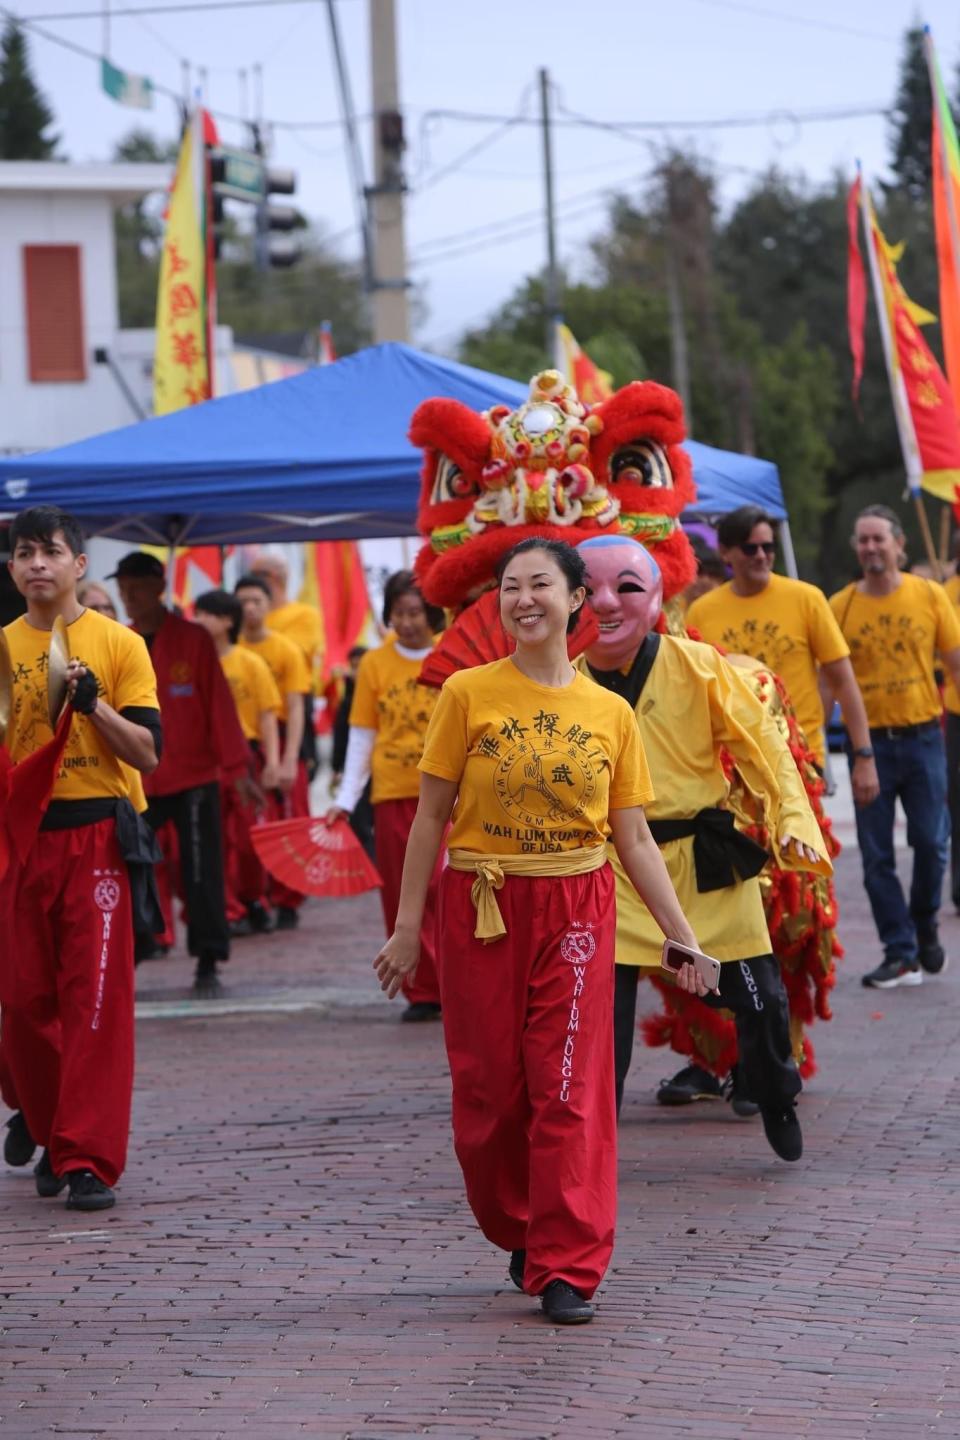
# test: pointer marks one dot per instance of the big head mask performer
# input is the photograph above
(688, 704)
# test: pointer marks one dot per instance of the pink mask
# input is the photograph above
(625, 593)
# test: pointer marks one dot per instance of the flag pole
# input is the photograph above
(908, 440)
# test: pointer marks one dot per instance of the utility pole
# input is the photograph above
(679, 359)
(552, 297)
(391, 311)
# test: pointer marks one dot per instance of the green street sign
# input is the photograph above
(238, 174)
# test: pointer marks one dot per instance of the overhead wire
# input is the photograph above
(810, 22)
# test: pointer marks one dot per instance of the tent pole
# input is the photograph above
(789, 556)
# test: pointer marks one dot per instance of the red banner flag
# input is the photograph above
(856, 288)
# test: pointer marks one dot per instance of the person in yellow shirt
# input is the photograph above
(787, 625)
(951, 705)
(538, 766)
(67, 983)
(688, 704)
(303, 624)
(258, 703)
(388, 721)
(896, 625)
(290, 797)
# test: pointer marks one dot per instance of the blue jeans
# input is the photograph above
(914, 768)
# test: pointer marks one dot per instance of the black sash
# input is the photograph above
(719, 848)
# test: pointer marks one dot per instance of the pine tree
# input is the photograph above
(24, 114)
(912, 121)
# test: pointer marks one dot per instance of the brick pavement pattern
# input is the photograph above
(292, 1254)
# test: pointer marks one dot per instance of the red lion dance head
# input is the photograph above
(552, 467)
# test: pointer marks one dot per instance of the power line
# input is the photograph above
(176, 9)
(833, 26)
(572, 119)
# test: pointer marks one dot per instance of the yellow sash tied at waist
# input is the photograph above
(491, 869)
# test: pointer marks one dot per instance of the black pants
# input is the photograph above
(953, 803)
(196, 815)
(753, 990)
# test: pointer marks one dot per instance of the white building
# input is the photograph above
(67, 370)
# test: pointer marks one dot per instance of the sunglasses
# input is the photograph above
(750, 547)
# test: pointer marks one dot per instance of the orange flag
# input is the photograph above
(590, 382)
(946, 217)
(926, 416)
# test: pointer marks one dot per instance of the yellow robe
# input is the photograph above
(693, 703)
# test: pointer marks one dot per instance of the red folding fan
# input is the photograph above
(477, 636)
(315, 858)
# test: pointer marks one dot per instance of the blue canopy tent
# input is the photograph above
(321, 456)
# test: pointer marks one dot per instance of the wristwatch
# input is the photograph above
(864, 753)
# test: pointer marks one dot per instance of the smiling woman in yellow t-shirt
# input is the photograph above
(537, 765)
(388, 721)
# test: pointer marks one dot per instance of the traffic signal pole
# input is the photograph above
(386, 197)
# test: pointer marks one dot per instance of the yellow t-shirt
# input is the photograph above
(388, 699)
(121, 663)
(894, 640)
(951, 699)
(302, 624)
(789, 628)
(286, 664)
(539, 769)
(253, 688)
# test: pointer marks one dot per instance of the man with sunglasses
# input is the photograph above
(788, 626)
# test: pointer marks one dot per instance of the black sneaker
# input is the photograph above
(564, 1305)
(19, 1145)
(206, 981)
(287, 917)
(518, 1260)
(421, 1010)
(932, 956)
(782, 1129)
(88, 1192)
(689, 1084)
(739, 1100)
(260, 918)
(238, 929)
(48, 1185)
(894, 971)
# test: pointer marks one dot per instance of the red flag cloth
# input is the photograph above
(946, 204)
(25, 791)
(856, 287)
(342, 597)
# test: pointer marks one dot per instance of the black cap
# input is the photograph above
(139, 566)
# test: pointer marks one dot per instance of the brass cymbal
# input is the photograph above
(6, 687)
(59, 659)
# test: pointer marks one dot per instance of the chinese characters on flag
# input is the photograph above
(182, 370)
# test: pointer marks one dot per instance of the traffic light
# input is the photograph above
(245, 176)
(276, 246)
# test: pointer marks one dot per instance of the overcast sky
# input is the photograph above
(674, 61)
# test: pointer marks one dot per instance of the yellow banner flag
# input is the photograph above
(182, 370)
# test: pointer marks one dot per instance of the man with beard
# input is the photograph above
(689, 703)
(896, 625)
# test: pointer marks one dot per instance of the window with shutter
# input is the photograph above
(54, 304)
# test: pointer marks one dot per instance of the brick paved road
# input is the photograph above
(292, 1253)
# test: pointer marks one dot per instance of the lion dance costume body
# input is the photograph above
(556, 468)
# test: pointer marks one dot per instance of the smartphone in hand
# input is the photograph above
(675, 955)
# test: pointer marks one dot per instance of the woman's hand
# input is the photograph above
(689, 978)
(398, 958)
(335, 814)
(802, 852)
